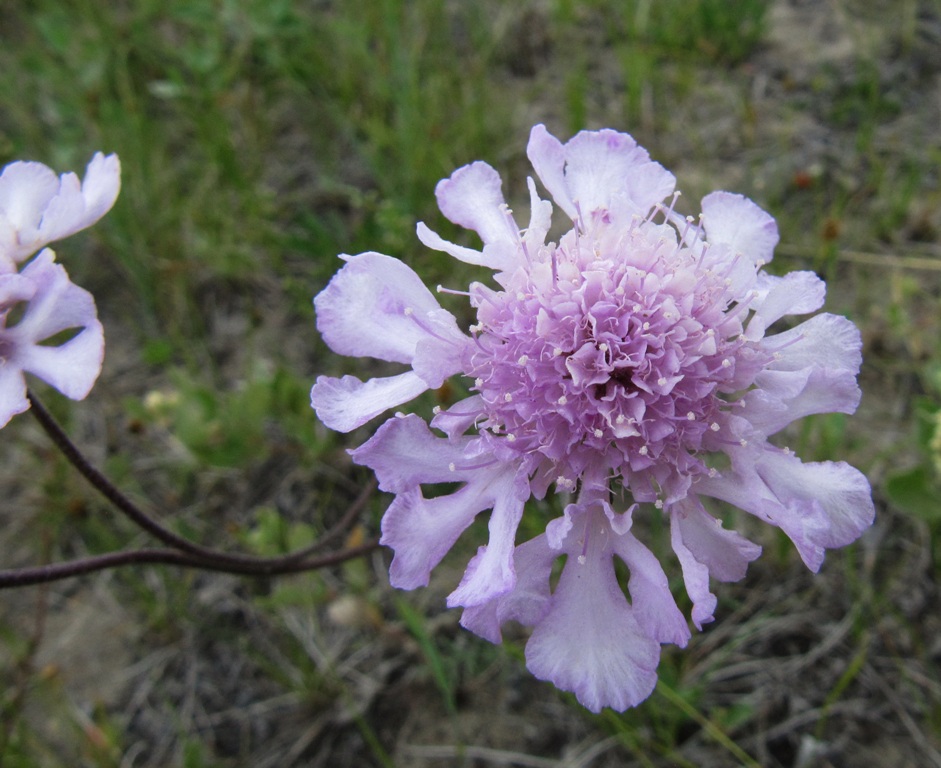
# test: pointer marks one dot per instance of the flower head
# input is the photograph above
(627, 366)
(48, 326)
(38, 208)
(52, 307)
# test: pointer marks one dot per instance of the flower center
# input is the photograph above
(618, 348)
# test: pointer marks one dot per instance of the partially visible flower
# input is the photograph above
(628, 366)
(48, 305)
(37, 207)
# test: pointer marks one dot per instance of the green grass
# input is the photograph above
(261, 138)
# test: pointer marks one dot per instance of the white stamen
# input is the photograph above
(643, 450)
(714, 426)
(562, 400)
(690, 416)
(508, 397)
(451, 466)
(523, 359)
(598, 433)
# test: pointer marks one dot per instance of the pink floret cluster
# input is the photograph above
(48, 326)
(627, 367)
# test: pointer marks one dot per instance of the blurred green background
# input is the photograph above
(261, 138)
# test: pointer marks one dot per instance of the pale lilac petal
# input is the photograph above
(25, 190)
(440, 354)
(797, 293)
(782, 397)
(490, 573)
(101, 185)
(347, 403)
(528, 601)
(823, 341)
(819, 505)
(836, 490)
(421, 531)
(597, 170)
(460, 417)
(590, 641)
(497, 259)
(696, 578)
(42, 208)
(746, 490)
(472, 198)
(12, 392)
(704, 548)
(736, 221)
(654, 607)
(540, 219)
(376, 306)
(72, 367)
(404, 453)
(57, 305)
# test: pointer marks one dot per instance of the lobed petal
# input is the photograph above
(491, 573)
(653, 604)
(499, 259)
(421, 531)
(528, 601)
(590, 641)
(825, 341)
(347, 403)
(737, 222)
(704, 548)
(796, 293)
(40, 208)
(57, 305)
(782, 397)
(819, 505)
(376, 306)
(472, 198)
(598, 171)
(404, 453)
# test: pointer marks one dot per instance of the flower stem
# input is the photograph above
(22, 577)
(184, 552)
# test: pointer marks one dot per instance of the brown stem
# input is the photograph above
(207, 558)
(22, 577)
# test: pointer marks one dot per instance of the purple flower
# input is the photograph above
(52, 306)
(626, 365)
(38, 208)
